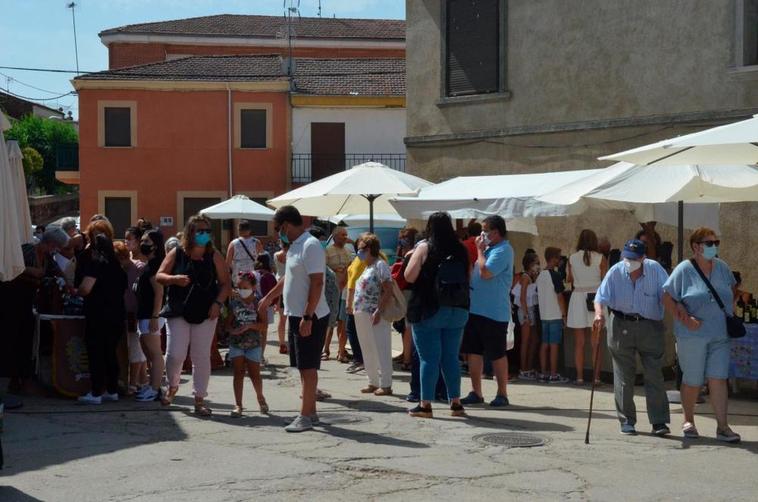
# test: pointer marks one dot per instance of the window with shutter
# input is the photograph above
(118, 127)
(253, 129)
(473, 47)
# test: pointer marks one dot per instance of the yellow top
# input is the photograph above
(356, 268)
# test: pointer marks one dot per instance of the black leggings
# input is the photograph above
(102, 337)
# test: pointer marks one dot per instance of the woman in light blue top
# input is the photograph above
(702, 344)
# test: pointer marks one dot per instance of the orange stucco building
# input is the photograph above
(188, 115)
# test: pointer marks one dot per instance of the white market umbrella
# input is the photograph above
(363, 187)
(735, 143)
(510, 196)
(362, 220)
(238, 207)
(11, 257)
(19, 179)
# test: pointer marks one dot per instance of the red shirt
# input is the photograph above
(473, 253)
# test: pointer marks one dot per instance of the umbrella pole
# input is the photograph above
(680, 230)
(371, 199)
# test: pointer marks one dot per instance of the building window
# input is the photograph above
(117, 124)
(747, 33)
(259, 228)
(118, 128)
(118, 210)
(253, 129)
(474, 47)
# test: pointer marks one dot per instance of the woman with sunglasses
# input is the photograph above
(702, 344)
(198, 283)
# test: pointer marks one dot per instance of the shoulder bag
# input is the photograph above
(735, 328)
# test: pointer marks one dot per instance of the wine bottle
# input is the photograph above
(739, 309)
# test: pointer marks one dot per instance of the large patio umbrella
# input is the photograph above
(19, 179)
(11, 258)
(694, 184)
(238, 207)
(735, 143)
(365, 187)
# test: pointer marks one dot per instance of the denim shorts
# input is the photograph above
(702, 357)
(532, 316)
(253, 354)
(552, 331)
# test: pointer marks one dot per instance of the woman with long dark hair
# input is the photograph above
(102, 285)
(149, 305)
(439, 272)
(198, 283)
(586, 269)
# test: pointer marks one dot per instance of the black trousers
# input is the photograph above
(102, 337)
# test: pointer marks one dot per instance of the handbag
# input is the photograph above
(590, 302)
(735, 328)
(396, 307)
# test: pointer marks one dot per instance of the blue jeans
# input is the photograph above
(352, 337)
(441, 389)
(438, 342)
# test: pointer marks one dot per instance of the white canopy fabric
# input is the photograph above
(735, 143)
(362, 220)
(577, 196)
(19, 179)
(510, 196)
(11, 258)
(344, 192)
(238, 207)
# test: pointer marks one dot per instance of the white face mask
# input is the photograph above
(631, 265)
(245, 293)
(486, 238)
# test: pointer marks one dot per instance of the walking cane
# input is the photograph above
(595, 331)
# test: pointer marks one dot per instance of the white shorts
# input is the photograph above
(143, 326)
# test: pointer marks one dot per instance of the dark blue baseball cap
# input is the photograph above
(634, 249)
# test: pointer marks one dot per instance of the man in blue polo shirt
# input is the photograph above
(487, 329)
(633, 291)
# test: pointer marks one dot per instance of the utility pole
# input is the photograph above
(72, 6)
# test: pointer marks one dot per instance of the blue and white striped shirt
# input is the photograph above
(643, 297)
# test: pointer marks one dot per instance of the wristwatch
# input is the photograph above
(307, 317)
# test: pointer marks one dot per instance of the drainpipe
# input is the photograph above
(229, 135)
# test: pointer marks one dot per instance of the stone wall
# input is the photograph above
(47, 208)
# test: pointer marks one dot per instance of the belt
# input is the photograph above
(629, 317)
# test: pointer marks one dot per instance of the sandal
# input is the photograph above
(202, 410)
(169, 396)
(325, 356)
(343, 358)
(690, 431)
(236, 412)
(370, 389)
(321, 395)
(421, 411)
(263, 406)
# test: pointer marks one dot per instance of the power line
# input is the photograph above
(50, 70)
(14, 79)
(38, 99)
(72, 6)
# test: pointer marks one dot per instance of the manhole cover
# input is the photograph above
(342, 418)
(510, 439)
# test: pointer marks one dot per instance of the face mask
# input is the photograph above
(202, 239)
(324, 244)
(535, 270)
(145, 249)
(283, 237)
(486, 238)
(362, 254)
(404, 243)
(631, 265)
(710, 253)
(245, 293)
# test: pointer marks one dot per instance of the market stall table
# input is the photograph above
(744, 362)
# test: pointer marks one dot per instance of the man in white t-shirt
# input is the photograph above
(552, 304)
(305, 307)
(243, 251)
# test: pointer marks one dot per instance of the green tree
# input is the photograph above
(44, 135)
(33, 161)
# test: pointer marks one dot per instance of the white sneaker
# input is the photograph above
(148, 395)
(314, 419)
(110, 397)
(88, 398)
(300, 424)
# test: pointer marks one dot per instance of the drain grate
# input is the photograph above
(510, 439)
(343, 418)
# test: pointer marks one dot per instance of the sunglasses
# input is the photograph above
(203, 231)
(711, 243)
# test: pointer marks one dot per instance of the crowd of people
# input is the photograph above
(452, 300)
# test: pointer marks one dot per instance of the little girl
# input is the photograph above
(245, 340)
(525, 292)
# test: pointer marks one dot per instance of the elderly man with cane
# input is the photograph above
(633, 292)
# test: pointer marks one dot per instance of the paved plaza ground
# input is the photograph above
(367, 449)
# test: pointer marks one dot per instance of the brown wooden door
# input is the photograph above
(327, 149)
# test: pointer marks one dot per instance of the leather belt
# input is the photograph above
(629, 317)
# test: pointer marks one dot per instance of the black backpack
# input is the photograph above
(452, 283)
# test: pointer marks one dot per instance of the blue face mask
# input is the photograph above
(710, 253)
(283, 237)
(202, 239)
(362, 254)
(324, 244)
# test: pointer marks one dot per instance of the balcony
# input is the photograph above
(67, 164)
(307, 167)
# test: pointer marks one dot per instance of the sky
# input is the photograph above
(39, 33)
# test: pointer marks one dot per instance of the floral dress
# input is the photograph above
(368, 289)
(244, 313)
